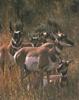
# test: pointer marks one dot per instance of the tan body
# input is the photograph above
(43, 52)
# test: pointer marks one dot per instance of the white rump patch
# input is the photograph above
(32, 63)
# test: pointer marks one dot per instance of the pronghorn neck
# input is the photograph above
(59, 46)
(16, 44)
(63, 69)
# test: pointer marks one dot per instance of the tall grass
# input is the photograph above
(12, 89)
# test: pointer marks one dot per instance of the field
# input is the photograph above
(12, 89)
(32, 16)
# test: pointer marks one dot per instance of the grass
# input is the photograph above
(11, 87)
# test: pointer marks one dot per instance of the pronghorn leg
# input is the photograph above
(41, 87)
(24, 71)
(64, 81)
(24, 74)
(48, 77)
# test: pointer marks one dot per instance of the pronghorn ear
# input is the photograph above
(11, 30)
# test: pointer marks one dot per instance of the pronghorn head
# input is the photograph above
(34, 40)
(63, 67)
(63, 40)
(16, 35)
(17, 38)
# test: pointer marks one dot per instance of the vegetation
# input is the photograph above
(31, 16)
(32, 13)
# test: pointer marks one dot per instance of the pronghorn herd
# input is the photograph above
(45, 56)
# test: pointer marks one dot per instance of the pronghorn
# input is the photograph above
(61, 77)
